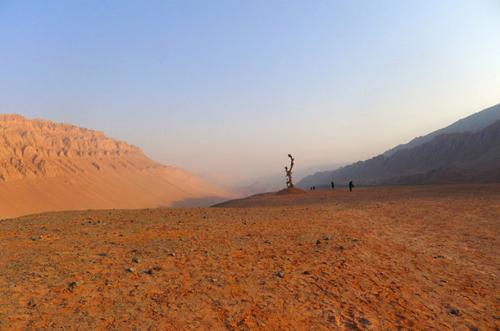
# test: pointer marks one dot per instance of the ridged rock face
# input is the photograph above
(448, 158)
(39, 148)
(46, 166)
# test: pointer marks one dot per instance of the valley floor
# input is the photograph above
(380, 258)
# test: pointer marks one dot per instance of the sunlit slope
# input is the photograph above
(46, 166)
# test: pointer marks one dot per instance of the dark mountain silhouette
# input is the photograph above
(472, 123)
(447, 157)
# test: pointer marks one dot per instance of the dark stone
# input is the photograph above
(74, 284)
(364, 321)
(31, 304)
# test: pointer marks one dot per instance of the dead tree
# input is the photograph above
(288, 172)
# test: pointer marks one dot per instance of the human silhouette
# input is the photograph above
(333, 185)
(351, 185)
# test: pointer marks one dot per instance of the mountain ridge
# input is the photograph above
(446, 158)
(471, 123)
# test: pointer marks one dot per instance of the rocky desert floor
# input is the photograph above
(407, 258)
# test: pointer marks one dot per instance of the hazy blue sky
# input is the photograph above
(232, 87)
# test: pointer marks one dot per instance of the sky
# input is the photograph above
(227, 89)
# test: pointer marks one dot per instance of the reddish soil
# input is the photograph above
(381, 258)
(290, 190)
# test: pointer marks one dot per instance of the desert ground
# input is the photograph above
(408, 258)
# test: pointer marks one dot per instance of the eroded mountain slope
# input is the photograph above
(46, 166)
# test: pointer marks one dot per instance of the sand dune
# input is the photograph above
(46, 166)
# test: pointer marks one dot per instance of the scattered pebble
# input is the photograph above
(152, 270)
(318, 242)
(74, 284)
(103, 254)
(136, 260)
(280, 274)
(455, 311)
(364, 321)
(132, 270)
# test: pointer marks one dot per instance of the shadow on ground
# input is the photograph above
(198, 202)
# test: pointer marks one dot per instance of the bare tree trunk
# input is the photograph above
(288, 172)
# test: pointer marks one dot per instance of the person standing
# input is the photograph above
(333, 185)
(351, 185)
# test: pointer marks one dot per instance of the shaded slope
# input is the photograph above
(454, 157)
(472, 123)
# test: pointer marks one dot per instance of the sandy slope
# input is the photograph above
(398, 258)
(47, 166)
(123, 189)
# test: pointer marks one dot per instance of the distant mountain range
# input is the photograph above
(466, 151)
